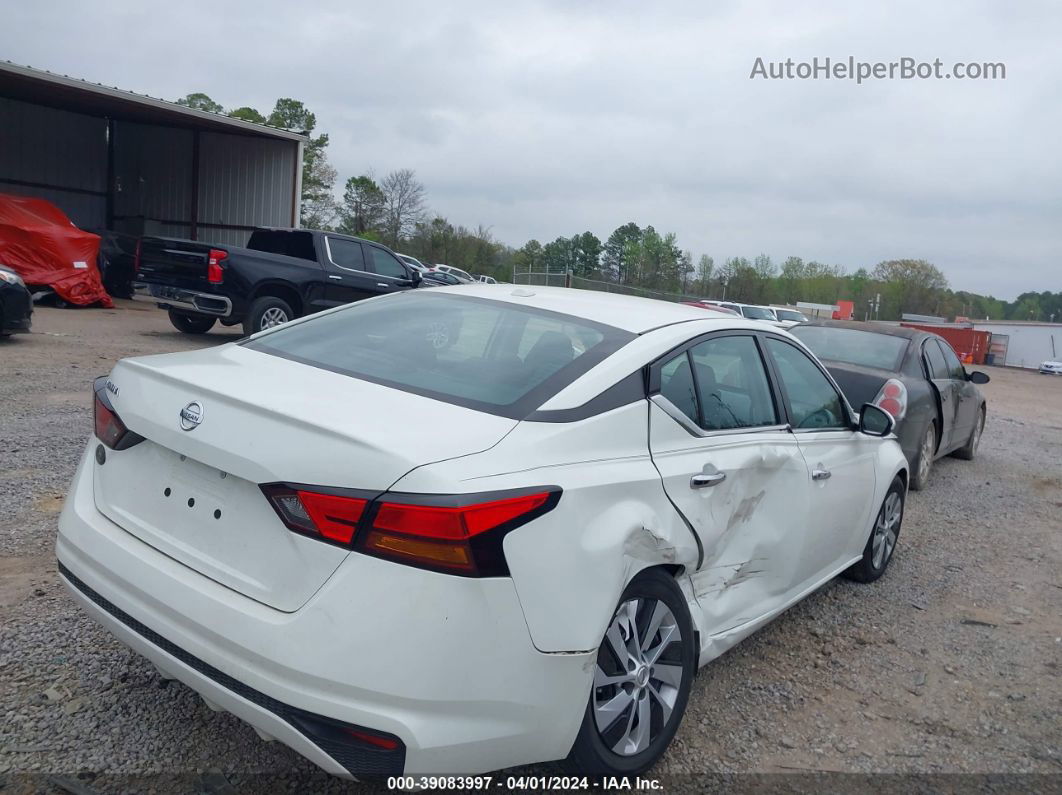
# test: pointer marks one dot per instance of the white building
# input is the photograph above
(1022, 344)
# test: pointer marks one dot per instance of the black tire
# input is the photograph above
(870, 567)
(594, 755)
(922, 466)
(969, 450)
(264, 313)
(191, 324)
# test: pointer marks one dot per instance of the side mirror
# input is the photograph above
(977, 377)
(874, 421)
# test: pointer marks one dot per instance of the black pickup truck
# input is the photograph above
(279, 275)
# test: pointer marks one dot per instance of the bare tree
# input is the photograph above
(403, 204)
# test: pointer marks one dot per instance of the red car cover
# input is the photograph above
(41, 245)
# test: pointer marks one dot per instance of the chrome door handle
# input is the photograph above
(330, 276)
(821, 474)
(381, 284)
(703, 481)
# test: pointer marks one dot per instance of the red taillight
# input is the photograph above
(893, 398)
(431, 531)
(329, 516)
(215, 273)
(448, 537)
(109, 428)
(453, 523)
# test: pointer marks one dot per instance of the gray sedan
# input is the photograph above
(912, 374)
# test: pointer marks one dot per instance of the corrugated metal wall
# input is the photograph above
(152, 180)
(244, 181)
(50, 147)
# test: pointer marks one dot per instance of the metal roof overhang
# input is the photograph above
(27, 84)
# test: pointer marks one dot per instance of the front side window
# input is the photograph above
(938, 368)
(720, 384)
(492, 356)
(813, 402)
(346, 253)
(386, 265)
(952, 363)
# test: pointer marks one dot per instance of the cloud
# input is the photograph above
(543, 119)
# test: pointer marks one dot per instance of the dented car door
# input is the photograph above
(732, 468)
(840, 460)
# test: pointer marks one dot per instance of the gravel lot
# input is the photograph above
(948, 665)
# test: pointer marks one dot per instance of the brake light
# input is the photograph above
(893, 398)
(109, 426)
(327, 516)
(457, 534)
(462, 539)
(215, 273)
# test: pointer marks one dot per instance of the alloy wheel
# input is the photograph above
(925, 456)
(978, 430)
(886, 528)
(274, 316)
(638, 675)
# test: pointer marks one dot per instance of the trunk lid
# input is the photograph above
(263, 419)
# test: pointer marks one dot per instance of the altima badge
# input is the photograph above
(191, 416)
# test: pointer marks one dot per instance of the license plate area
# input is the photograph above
(212, 521)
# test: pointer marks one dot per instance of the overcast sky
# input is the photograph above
(547, 119)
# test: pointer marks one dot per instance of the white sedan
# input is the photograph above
(399, 557)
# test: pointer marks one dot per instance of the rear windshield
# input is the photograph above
(281, 241)
(853, 346)
(757, 313)
(492, 356)
(789, 314)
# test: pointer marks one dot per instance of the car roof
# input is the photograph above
(626, 312)
(873, 328)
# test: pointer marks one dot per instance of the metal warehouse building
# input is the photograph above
(112, 159)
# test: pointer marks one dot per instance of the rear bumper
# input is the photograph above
(188, 300)
(444, 664)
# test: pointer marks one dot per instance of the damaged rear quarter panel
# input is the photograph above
(571, 565)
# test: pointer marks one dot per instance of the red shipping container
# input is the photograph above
(970, 344)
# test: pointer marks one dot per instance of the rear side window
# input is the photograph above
(346, 253)
(720, 384)
(282, 241)
(757, 313)
(813, 402)
(492, 356)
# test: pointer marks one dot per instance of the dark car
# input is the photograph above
(912, 374)
(281, 274)
(16, 306)
(117, 262)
